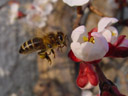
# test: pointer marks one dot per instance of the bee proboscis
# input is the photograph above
(44, 44)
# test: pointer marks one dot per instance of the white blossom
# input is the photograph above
(107, 30)
(14, 7)
(88, 49)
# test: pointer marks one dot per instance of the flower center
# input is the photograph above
(113, 34)
(86, 39)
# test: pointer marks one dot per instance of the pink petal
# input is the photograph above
(73, 57)
(105, 22)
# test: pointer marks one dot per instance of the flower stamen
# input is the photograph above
(92, 40)
(113, 34)
(86, 39)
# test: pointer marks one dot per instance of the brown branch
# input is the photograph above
(96, 11)
(100, 74)
(79, 16)
(105, 84)
(6, 3)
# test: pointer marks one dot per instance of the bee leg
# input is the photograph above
(49, 53)
(62, 46)
(42, 55)
(66, 38)
(59, 48)
(45, 56)
(48, 58)
(53, 52)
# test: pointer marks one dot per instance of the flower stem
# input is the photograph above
(100, 74)
(6, 3)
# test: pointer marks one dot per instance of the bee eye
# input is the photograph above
(60, 38)
(49, 46)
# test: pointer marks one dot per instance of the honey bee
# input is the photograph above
(44, 44)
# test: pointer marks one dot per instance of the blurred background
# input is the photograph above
(28, 75)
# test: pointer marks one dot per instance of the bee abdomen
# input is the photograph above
(31, 45)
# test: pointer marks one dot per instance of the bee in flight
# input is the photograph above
(44, 44)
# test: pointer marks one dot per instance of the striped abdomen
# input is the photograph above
(31, 45)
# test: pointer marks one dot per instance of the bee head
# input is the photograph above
(60, 38)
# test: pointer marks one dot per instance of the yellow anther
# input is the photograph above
(113, 34)
(92, 40)
(85, 38)
(88, 40)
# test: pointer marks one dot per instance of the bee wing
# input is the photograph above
(39, 32)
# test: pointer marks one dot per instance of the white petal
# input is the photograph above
(107, 34)
(14, 7)
(76, 48)
(115, 32)
(48, 9)
(75, 2)
(13, 12)
(36, 19)
(86, 93)
(54, 1)
(37, 2)
(78, 33)
(105, 22)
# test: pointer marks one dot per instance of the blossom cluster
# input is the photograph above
(89, 48)
(36, 13)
